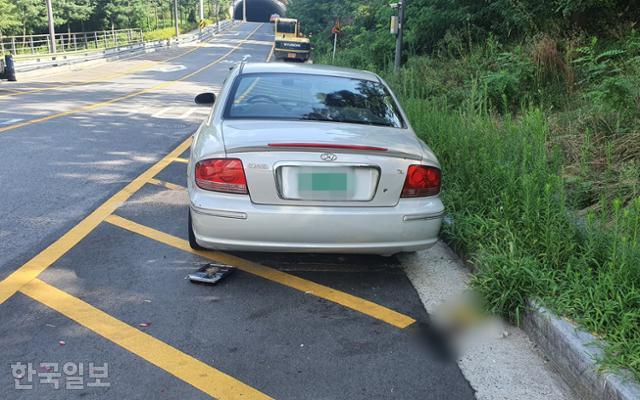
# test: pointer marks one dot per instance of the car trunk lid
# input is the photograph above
(321, 164)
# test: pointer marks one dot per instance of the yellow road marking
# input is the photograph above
(9, 90)
(355, 303)
(128, 96)
(181, 160)
(273, 47)
(183, 366)
(167, 185)
(32, 268)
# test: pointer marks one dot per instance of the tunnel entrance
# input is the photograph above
(259, 10)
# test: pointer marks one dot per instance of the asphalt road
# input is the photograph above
(93, 259)
(54, 172)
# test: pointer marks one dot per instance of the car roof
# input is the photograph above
(311, 69)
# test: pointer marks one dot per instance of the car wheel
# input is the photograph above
(192, 237)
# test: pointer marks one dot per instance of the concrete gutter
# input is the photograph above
(574, 353)
(48, 61)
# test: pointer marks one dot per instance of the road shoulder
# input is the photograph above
(501, 362)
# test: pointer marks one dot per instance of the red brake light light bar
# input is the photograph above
(328, 146)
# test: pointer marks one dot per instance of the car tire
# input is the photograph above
(192, 237)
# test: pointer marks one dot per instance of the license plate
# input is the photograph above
(322, 182)
(291, 55)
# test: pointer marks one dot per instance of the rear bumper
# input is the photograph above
(231, 222)
(284, 54)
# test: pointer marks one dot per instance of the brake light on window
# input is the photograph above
(421, 181)
(221, 175)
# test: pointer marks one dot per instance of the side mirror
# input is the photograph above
(206, 99)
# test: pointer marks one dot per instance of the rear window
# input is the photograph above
(286, 27)
(313, 98)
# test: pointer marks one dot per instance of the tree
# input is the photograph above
(73, 11)
(116, 13)
(139, 14)
(8, 17)
(126, 13)
(31, 14)
(159, 8)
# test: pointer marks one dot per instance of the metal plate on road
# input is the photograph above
(211, 273)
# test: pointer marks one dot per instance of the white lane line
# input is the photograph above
(168, 68)
(187, 113)
(161, 112)
(9, 121)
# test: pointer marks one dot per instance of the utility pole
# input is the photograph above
(175, 15)
(218, 16)
(201, 12)
(52, 30)
(399, 37)
(244, 10)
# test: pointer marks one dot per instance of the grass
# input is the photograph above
(505, 191)
(167, 33)
(540, 148)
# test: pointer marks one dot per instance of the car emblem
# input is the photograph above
(328, 157)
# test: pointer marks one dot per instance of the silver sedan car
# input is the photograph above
(309, 158)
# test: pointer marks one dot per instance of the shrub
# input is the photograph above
(550, 64)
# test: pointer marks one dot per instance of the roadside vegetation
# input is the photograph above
(167, 33)
(533, 108)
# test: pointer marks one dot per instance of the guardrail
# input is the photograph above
(44, 60)
(28, 46)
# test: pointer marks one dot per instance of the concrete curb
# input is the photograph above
(574, 353)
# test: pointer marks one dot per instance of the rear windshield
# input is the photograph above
(286, 27)
(312, 97)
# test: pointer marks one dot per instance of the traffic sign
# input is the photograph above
(337, 28)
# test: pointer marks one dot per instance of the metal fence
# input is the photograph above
(38, 45)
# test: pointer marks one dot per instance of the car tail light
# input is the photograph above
(421, 181)
(221, 175)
